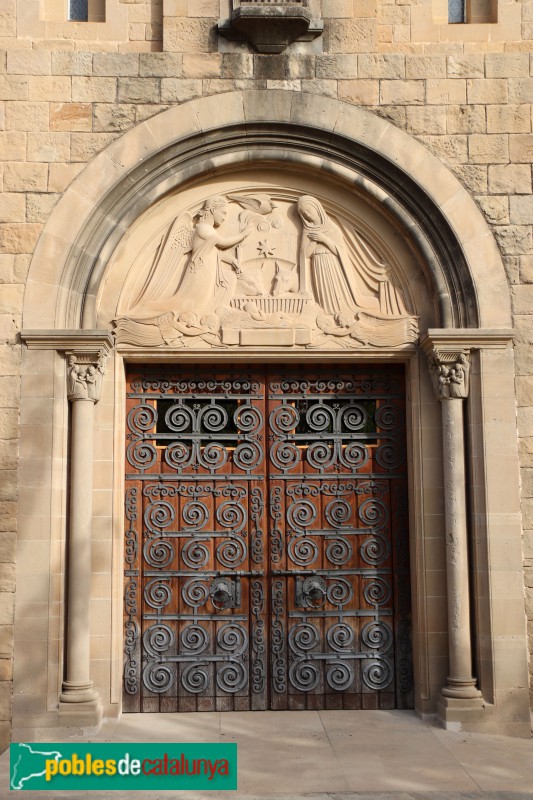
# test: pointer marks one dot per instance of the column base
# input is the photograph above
(80, 704)
(461, 689)
(453, 712)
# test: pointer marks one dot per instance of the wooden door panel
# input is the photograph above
(266, 560)
(195, 461)
(337, 443)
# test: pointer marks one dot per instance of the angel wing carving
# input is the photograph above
(165, 274)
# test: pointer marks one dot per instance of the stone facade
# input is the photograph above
(69, 90)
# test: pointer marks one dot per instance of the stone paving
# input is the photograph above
(331, 755)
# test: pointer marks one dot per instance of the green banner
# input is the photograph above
(67, 767)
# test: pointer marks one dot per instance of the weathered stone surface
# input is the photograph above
(521, 148)
(61, 175)
(509, 179)
(473, 176)
(507, 65)
(425, 66)
(486, 91)
(173, 90)
(205, 65)
(71, 116)
(35, 62)
(283, 67)
(162, 65)
(402, 92)
(138, 90)
(48, 147)
(522, 210)
(72, 63)
(12, 207)
(509, 119)
(449, 90)
(340, 66)
(114, 116)
(19, 237)
(14, 87)
(451, 149)
(488, 149)
(426, 120)
(496, 209)
(514, 240)
(466, 119)
(94, 90)
(27, 116)
(350, 35)
(40, 206)
(376, 65)
(526, 268)
(7, 266)
(115, 64)
(86, 145)
(13, 145)
(21, 177)
(9, 422)
(237, 66)
(466, 65)
(189, 35)
(360, 92)
(7, 571)
(49, 87)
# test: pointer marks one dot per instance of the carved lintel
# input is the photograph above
(450, 373)
(85, 372)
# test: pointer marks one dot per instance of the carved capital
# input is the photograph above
(450, 373)
(85, 371)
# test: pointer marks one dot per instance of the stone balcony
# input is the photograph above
(270, 26)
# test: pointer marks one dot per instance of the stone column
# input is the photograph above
(450, 372)
(79, 701)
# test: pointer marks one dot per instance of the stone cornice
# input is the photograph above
(68, 341)
(464, 339)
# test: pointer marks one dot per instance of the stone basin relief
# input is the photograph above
(259, 269)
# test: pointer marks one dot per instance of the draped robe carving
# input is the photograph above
(252, 269)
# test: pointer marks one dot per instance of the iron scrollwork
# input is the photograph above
(334, 493)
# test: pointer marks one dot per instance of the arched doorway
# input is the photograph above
(451, 272)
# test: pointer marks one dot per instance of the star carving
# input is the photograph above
(265, 249)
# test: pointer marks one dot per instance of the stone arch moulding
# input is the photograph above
(353, 146)
(467, 306)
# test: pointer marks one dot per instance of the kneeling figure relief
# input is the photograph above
(260, 269)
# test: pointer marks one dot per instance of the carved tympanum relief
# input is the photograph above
(262, 269)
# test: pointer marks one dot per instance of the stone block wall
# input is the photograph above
(68, 89)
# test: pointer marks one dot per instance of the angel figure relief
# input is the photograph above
(199, 267)
(286, 267)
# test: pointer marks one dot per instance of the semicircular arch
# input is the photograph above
(365, 153)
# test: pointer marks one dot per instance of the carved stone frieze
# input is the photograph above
(85, 371)
(260, 269)
(450, 373)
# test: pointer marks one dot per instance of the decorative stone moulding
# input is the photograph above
(271, 26)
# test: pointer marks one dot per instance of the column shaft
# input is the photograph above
(79, 552)
(460, 647)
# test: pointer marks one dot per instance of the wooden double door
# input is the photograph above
(266, 541)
